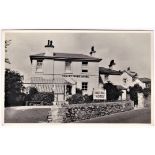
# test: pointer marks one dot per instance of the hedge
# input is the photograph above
(42, 97)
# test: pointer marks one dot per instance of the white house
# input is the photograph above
(64, 72)
(146, 81)
(113, 76)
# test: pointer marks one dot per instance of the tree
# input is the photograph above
(13, 87)
(134, 93)
(112, 92)
(7, 43)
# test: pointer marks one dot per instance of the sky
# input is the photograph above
(127, 48)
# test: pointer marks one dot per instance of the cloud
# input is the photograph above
(127, 49)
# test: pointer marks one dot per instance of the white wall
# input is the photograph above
(128, 81)
(137, 81)
(118, 80)
(76, 69)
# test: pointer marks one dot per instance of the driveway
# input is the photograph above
(133, 116)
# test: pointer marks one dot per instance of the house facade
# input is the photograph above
(122, 79)
(146, 82)
(64, 73)
(114, 77)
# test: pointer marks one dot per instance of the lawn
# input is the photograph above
(26, 114)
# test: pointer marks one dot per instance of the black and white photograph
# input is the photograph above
(77, 76)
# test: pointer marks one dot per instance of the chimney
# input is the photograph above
(49, 48)
(92, 52)
(128, 69)
(112, 63)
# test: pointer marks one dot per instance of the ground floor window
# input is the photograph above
(84, 85)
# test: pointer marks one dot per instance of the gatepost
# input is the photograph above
(140, 100)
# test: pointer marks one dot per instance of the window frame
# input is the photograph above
(84, 63)
(68, 68)
(84, 86)
(84, 70)
(39, 65)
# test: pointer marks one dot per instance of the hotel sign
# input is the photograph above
(76, 76)
(99, 94)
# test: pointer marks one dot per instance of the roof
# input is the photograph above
(103, 70)
(120, 87)
(65, 56)
(49, 85)
(131, 73)
(100, 79)
(145, 80)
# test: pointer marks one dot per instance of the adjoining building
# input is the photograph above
(64, 73)
(146, 81)
(113, 76)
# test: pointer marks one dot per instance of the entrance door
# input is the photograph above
(69, 90)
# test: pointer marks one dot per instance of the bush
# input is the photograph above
(79, 99)
(78, 91)
(112, 92)
(146, 92)
(88, 98)
(76, 99)
(45, 97)
(134, 93)
(33, 91)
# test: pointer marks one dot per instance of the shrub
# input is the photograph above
(78, 91)
(45, 97)
(33, 91)
(146, 92)
(134, 93)
(112, 92)
(31, 94)
(88, 98)
(76, 99)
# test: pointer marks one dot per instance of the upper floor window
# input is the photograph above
(68, 66)
(106, 77)
(84, 70)
(84, 63)
(125, 80)
(84, 67)
(39, 67)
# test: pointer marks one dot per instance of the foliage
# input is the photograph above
(112, 92)
(134, 93)
(78, 91)
(146, 92)
(46, 97)
(33, 91)
(7, 43)
(76, 99)
(31, 94)
(13, 88)
(79, 99)
(88, 98)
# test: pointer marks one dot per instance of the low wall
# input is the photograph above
(77, 112)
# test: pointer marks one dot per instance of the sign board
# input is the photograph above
(99, 94)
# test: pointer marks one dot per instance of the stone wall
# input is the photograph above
(77, 112)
